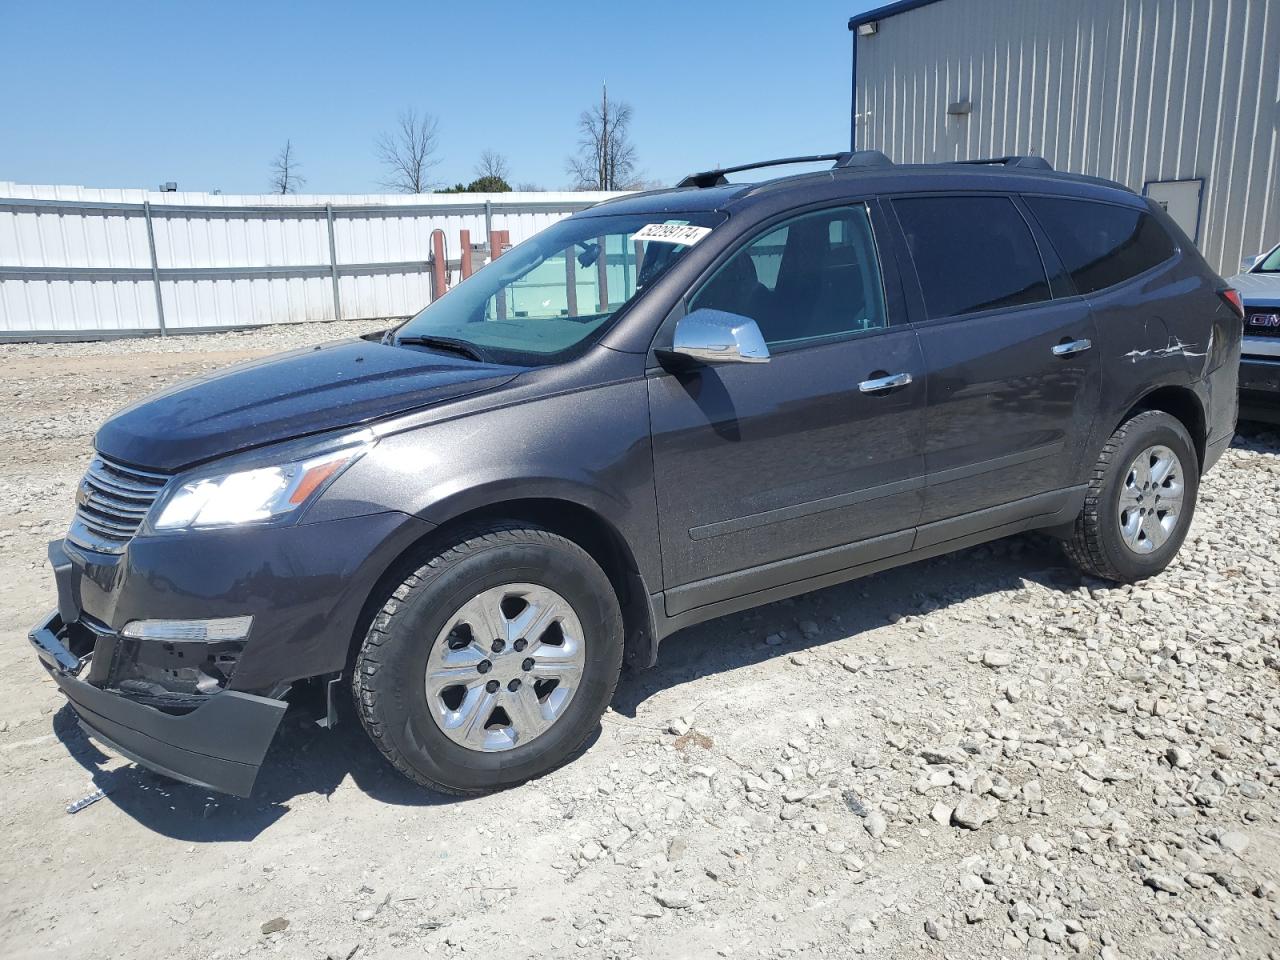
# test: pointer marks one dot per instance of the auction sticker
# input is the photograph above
(682, 233)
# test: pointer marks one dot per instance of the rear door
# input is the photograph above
(1155, 311)
(1013, 376)
(766, 473)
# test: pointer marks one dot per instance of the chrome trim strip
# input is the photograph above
(104, 504)
(1260, 346)
(111, 503)
(127, 471)
(93, 518)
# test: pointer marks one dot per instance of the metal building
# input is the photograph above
(1177, 99)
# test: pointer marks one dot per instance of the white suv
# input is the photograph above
(1259, 288)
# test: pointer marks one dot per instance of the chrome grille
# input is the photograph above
(111, 503)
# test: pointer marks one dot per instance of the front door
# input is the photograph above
(788, 463)
(1014, 377)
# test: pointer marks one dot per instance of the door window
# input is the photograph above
(807, 279)
(1101, 244)
(971, 254)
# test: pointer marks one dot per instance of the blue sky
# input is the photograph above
(122, 94)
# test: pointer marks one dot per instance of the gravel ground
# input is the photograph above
(983, 755)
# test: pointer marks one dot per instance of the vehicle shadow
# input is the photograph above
(303, 759)
(1257, 435)
(306, 760)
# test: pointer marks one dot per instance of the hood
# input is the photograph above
(1258, 289)
(339, 384)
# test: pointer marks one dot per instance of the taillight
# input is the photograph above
(1232, 297)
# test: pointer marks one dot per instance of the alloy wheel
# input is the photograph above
(1150, 501)
(505, 667)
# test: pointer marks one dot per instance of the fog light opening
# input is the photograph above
(189, 631)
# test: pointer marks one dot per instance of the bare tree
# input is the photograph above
(492, 164)
(408, 152)
(285, 177)
(606, 157)
(641, 182)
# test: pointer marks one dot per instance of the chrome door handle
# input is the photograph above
(885, 383)
(1072, 347)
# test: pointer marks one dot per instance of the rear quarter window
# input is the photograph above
(1102, 244)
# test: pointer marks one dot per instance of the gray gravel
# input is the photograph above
(981, 756)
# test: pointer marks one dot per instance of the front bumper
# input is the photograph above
(205, 712)
(304, 585)
(219, 745)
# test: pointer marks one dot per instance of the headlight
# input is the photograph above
(257, 493)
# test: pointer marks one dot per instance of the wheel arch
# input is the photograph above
(572, 520)
(1180, 402)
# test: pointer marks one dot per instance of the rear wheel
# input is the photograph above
(1140, 501)
(493, 662)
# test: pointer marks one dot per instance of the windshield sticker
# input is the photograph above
(680, 233)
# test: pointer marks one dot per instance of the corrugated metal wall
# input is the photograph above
(1131, 90)
(77, 260)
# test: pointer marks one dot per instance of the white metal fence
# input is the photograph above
(81, 263)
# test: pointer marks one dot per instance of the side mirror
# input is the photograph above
(1248, 263)
(717, 336)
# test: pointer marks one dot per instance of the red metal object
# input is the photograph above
(1233, 300)
(602, 276)
(439, 267)
(498, 242)
(464, 238)
(571, 282)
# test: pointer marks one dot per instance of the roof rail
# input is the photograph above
(1030, 162)
(858, 158)
(864, 158)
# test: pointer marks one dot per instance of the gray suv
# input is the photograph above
(672, 406)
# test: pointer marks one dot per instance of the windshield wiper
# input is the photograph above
(446, 344)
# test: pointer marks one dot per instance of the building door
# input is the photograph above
(1181, 201)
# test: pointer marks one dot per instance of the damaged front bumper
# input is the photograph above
(220, 744)
(205, 709)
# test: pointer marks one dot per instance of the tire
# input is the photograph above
(434, 609)
(1098, 545)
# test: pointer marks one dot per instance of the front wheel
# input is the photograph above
(1140, 501)
(493, 662)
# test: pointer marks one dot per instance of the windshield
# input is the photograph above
(556, 290)
(1271, 264)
